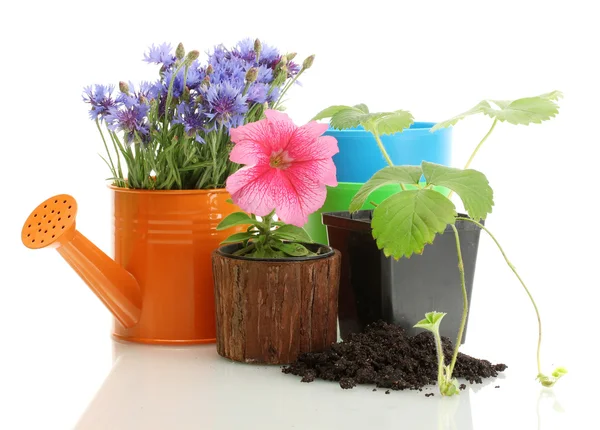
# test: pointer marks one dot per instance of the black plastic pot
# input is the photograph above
(374, 287)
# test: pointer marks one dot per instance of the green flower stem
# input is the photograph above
(463, 321)
(385, 154)
(112, 165)
(537, 312)
(170, 95)
(287, 87)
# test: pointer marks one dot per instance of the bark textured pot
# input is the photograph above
(374, 287)
(271, 310)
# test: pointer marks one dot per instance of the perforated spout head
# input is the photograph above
(51, 224)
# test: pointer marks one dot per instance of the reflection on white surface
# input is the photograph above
(153, 387)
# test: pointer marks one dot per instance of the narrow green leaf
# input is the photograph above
(236, 218)
(329, 112)
(292, 249)
(471, 186)
(292, 233)
(238, 237)
(405, 222)
(393, 122)
(385, 176)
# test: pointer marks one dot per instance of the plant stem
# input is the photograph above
(112, 165)
(286, 88)
(463, 321)
(537, 312)
(440, 354)
(481, 143)
(385, 154)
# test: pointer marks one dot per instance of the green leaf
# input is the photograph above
(236, 218)
(431, 321)
(362, 107)
(471, 185)
(525, 111)
(238, 237)
(329, 112)
(385, 176)
(292, 249)
(229, 201)
(292, 233)
(348, 118)
(405, 222)
(393, 122)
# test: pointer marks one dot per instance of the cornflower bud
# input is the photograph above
(123, 87)
(291, 56)
(206, 80)
(192, 56)
(257, 47)
(283, 61)
(186, 94)
(308, 62)
(210, 69)
(180, 52)
(251, 74)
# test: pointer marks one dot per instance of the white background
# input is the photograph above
(435, 59)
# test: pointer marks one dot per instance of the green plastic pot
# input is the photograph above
(338, 200)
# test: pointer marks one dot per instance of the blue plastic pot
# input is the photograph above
(359, 157)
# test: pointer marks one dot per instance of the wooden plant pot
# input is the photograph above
(269, 311)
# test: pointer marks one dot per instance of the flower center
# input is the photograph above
(280, 160)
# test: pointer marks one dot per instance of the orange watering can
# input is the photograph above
(159, 288)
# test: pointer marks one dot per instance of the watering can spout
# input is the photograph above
(52, 225)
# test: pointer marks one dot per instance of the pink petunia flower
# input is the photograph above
(286, 167)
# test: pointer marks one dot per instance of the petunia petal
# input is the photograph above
(278, 116)
(297, 197)
(315, 128)
(251, 143)
(251, 188)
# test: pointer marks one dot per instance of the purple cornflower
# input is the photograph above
(146, 92)
(257, 92)
(193, 119)
(131, 121)
(101, 100)
(160, 55)
(226, 105)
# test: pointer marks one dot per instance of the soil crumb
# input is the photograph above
(386, 356)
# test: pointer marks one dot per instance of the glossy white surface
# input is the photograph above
(192, 387)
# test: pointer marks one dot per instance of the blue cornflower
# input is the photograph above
(160, 55)
(146, 92)
(131, 121)
(265, 75)
(101, 100)
(226, 104)
(245, 50)
(269, 56)
(257, 92)
(193, 119)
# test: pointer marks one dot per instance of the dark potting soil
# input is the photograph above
(384, 355)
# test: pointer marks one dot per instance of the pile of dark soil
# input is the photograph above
(386, 356)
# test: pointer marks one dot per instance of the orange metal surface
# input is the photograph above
(160, 285)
